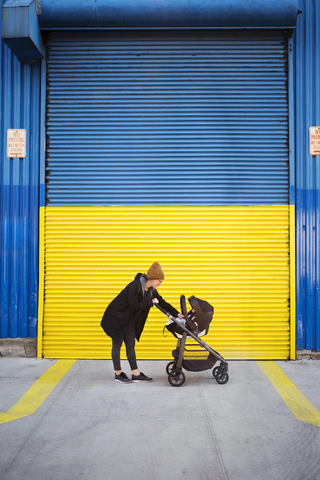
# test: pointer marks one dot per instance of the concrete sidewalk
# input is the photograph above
(91, 427)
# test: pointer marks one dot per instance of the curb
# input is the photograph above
(18, 347)
(307, 355)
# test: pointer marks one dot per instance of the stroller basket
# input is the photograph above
(195, 363)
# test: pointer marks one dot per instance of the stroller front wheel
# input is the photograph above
(220, 375)
(222, 378)
(176, 378)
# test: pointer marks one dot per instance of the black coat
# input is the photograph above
(131, 305)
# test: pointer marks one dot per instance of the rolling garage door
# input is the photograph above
(170, 147)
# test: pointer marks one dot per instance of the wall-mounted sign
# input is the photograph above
(314, 140)
(16, 143)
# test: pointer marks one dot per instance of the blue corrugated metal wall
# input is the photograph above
(19, 198)
(20, 102)
(307, 113)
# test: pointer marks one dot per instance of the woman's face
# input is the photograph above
(156, 283)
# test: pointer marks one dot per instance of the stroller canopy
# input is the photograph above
(203, 312)
(200, 306)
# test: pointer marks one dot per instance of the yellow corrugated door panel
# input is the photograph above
(236, 258)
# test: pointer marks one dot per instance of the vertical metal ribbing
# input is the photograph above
(299, 192)
(317, 121)
(19, 180)
(307, 73)
(24, 202)
(316, 81)
(310, 193)
(5, 200)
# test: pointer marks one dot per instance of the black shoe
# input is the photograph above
(122, 378)
(141, 378)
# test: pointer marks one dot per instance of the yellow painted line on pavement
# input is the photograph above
(299, 405)
(40, 390)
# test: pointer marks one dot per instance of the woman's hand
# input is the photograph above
(180, 316)
(155, 300)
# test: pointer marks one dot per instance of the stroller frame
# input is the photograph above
(176, 376)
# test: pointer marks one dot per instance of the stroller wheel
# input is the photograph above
(170, 367)
(215, 371)
(222, 378)
(176, 378)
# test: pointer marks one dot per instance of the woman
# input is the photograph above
(126, 315)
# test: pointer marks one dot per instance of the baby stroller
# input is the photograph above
(195, 324)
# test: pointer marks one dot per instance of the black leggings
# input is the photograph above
(129, 340)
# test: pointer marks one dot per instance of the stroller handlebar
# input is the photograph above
(171, 317)
(162, 310)
(190, 323)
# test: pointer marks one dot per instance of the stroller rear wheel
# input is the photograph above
(171, 366)
(215, 371)
(176, 378)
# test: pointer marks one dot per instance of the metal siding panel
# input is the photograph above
(19, 200)
(234, 257)
(307, 101)
(103, 128)
(165, 112)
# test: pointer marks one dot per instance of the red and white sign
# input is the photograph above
(16, 143)
(314, 140)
